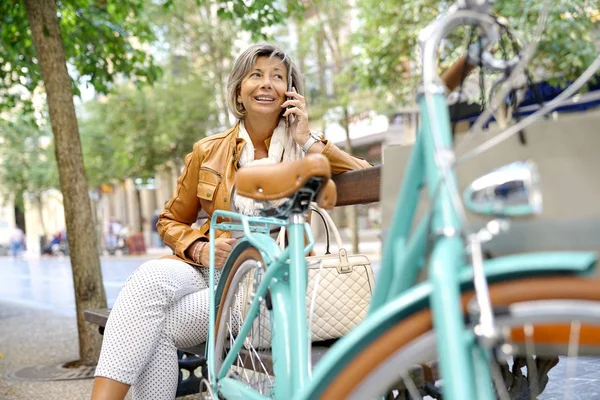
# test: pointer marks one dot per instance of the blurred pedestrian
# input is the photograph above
(156, 240)
(17, 241)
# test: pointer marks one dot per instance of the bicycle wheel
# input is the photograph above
(253, 364)
(552, 328)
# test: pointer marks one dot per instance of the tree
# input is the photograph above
(257, 16)
(389, 31)
(96, 41)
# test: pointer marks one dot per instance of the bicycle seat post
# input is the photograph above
(298, 284)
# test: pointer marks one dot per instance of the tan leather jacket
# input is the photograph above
(207, 181)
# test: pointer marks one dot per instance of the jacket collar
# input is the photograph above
(238, 144)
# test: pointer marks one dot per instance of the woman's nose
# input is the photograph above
(266, 82)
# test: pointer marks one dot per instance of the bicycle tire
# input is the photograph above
(256, 371)
(417, 329)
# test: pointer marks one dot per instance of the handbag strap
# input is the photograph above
(327, 223)
(329, 226)
(326, 230)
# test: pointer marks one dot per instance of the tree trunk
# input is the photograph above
(85, 263)
(351, 213)
(140, 214)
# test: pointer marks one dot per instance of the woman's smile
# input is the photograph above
(265, 99)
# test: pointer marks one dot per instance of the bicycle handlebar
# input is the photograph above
(475, 5)
(431, 37)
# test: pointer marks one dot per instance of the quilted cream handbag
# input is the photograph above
(344, 287)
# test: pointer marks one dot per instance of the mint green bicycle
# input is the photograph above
(513, 327)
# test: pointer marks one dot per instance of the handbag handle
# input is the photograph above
(327, 223)
(329, 226)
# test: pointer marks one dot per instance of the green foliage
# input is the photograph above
(132, 132)
(253, 16)
(387, 39)
(102, 40)
(257, 16)
(27, 161)
(198, 43)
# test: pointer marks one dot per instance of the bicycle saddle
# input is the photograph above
(277, 181)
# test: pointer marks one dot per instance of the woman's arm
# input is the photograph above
(174, 222)
(340, 160)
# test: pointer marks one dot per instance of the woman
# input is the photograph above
(164, 303)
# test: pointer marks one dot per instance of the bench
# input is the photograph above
(354, 187)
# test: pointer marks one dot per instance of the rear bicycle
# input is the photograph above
(519, 339)
(258, 340)
(509, 191)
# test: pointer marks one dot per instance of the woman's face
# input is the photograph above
(263, 88)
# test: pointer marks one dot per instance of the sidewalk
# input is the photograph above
(30, 336)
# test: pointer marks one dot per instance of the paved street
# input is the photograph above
(47, 282)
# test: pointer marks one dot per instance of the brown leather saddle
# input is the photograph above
(278, 181)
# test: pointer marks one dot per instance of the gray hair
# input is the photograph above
(244, 64)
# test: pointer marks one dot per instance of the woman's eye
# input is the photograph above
(254, 74)
(279, 76)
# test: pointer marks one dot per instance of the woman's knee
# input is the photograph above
(160, 277)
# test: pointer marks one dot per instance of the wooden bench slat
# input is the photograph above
(97, 316)
(358, 187)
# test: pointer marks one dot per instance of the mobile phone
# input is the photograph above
(289, 89)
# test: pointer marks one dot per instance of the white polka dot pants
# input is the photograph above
(162, 306)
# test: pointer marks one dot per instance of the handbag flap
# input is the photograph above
(344, 262)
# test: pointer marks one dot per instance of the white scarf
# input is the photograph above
(282, 148)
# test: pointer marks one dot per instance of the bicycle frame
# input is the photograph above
(464, 364)
(287, 283)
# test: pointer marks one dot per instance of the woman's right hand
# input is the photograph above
(223, 247)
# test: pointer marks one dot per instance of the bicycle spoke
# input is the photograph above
(252, 348)
(532, 375)
(411, 387)
(498, 379)
(572, 352)
(251, 364)
(239, 359)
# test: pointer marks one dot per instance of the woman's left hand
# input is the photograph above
(299, 121)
